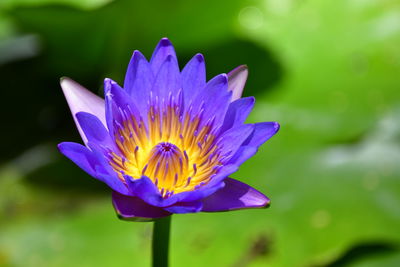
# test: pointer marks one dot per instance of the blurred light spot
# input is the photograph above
(387, 26)
(359, 4)
(339, 101)
(320, 219)
(251, 17)
(34, 158)
(81, 4)
(371, 181)
(279, 6)
(19, 48)
(379, 150)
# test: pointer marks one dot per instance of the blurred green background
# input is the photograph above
(327, 70)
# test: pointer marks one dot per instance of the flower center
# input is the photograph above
(174, 151)
(166, 165)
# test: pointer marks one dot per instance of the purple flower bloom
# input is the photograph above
(168, 140)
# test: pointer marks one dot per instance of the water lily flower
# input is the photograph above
(168, 140)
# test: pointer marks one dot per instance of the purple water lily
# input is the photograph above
(168, 140)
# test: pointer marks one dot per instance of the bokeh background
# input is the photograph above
(327, 70)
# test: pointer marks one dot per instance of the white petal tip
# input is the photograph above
(237, 80)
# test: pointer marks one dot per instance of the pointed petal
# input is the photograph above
(119, 105)
(139, 80)
(135, 209)
(80, 99)
(162, 51)
(94, 164)
(212, 101)
(237, 112)
(235, 195)
(237, 80)
(80, 155)
(262, 132)
(193, 77)
(167, 85)
(230, 141)
(243, 154)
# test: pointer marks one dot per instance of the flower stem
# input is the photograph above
(160, 243)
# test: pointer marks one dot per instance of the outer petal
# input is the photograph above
(80, 99)
(243, 154)
(235, 195)
(94, 164)
(139, 80)
(237, 80)
(193, 77)
(80, 155)
(146, 190)
(230, 141)
(135, 209)
(162, 51)
(185, 207)
(237, 112)
(262, 132)
(216, 183)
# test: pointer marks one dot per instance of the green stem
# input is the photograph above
(160, 243)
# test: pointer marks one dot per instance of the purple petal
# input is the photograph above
(160, 54)
(135, 209)
(80, 155)
(230, 141)
(262, 132)
(119, 105)
(212, 101)
(235, 195)
(237, 80)
(216, 183)
(167, 85)
(185, 207)
(94, 164)
(243, 154)
(94, 130)
(237, 112)
(193, 77)
(139, 80)
(80, 99)
(146, 190)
